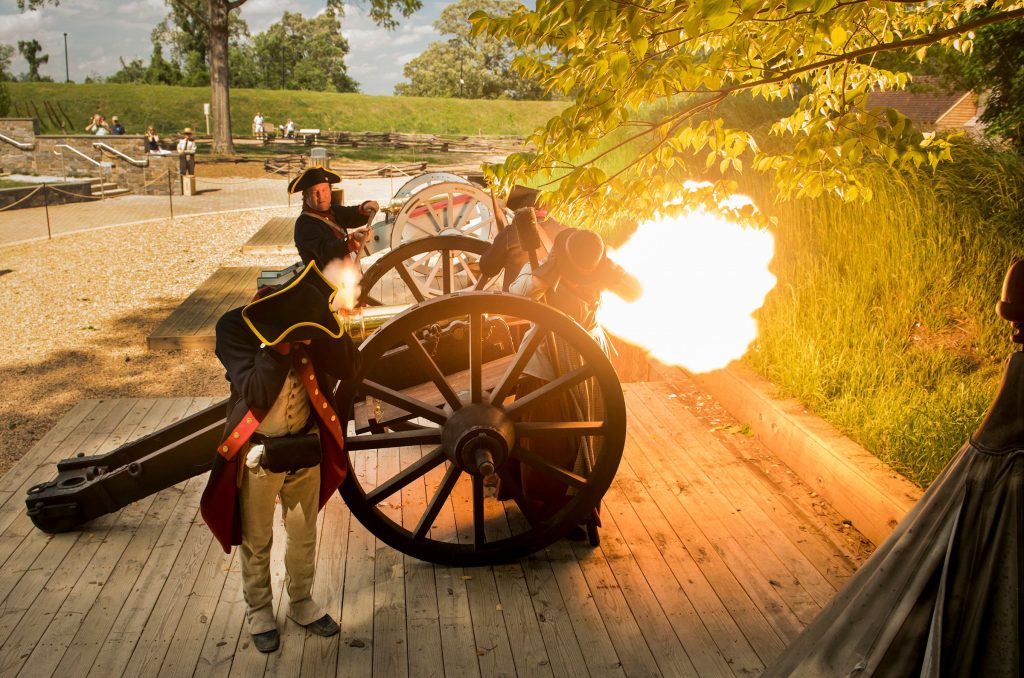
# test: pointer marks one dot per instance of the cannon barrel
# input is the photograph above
(87, 487)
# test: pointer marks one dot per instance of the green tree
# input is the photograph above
(161, 71)
(650, 78)
(6, 54)
(995, 68)
(300, 53)
(216, 20)
(133, 71)
(467, 65)
(30, 50)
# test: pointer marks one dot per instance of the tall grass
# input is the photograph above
(170, 109)
(883, 320)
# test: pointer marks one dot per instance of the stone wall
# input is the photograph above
(43, 158)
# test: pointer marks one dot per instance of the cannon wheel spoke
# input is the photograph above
(433, 372)
(413, 406)
(451, 477)
(546, 467)
(411, 282)
(476, 351)
(552, 388)
(413, 471)
(559, 429)
(516, 367)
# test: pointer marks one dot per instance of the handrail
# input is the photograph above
(104, 147)
(105, 165)
(17, 144)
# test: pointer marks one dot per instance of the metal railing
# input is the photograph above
(103, 165)
(17, 144)
(104, 147)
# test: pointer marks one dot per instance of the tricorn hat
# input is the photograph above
(312, 176)
(521, 196)
(298, 311)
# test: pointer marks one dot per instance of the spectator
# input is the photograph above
(152, 140)
(187, 152)
(97, 126)
(115, 126)
(257, 125)
(283, 354)
(289, 129)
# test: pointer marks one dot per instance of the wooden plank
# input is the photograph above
(459, 644)
(750, 544)
(667, 564)
(355, 652)
(47, 632)
(748, 496)
(320, 655)
(141, 622)
(390, 644)
(38, 555)
(189, 637)
(836, 554)
(493, 645)
(630, 646)
(754, 614)
(856, 483)
(99, 617)
(658, 630)
(423, 623)
(275, 237)
(227, 623)
(192, 324)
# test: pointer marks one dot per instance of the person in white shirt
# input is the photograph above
(257, 125)
(187, 152)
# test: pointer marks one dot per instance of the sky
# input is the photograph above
(101, 32)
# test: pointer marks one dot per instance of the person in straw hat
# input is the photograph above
(284, 355)
(187, 152)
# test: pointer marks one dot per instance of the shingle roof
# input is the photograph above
(926, 107)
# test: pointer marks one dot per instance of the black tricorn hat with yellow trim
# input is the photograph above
(311, 176)
(301, 310)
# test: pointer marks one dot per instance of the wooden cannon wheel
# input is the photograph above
(425, 460)
(424, 269)
(447, 208)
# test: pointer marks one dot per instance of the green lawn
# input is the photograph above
(170, 109)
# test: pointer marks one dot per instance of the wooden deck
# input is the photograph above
(705, 568)
(192, 324)
(274, 237)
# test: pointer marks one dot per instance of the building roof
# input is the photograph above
(923, 107)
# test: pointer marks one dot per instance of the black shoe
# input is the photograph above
(324, 626)
(268, 641)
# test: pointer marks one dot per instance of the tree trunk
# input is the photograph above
(219, 77)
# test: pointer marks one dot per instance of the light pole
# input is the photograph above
(67, 72)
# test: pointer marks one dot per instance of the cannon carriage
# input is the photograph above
(436, 420)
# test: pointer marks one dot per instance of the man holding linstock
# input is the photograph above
(284, 354)
(324, 231)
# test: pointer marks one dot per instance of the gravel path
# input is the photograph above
(77, 310)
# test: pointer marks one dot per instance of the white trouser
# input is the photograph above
(300, 496)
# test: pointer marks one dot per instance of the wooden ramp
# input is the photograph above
(274, 237)
(192, 324)
(705, 569)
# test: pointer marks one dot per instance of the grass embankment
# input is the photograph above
(170, 109)
(883, 319)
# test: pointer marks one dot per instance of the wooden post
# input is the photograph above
(46, 207)
(170, 191)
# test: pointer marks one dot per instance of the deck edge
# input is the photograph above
(857, 484)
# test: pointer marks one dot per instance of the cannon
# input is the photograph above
(437, 439)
